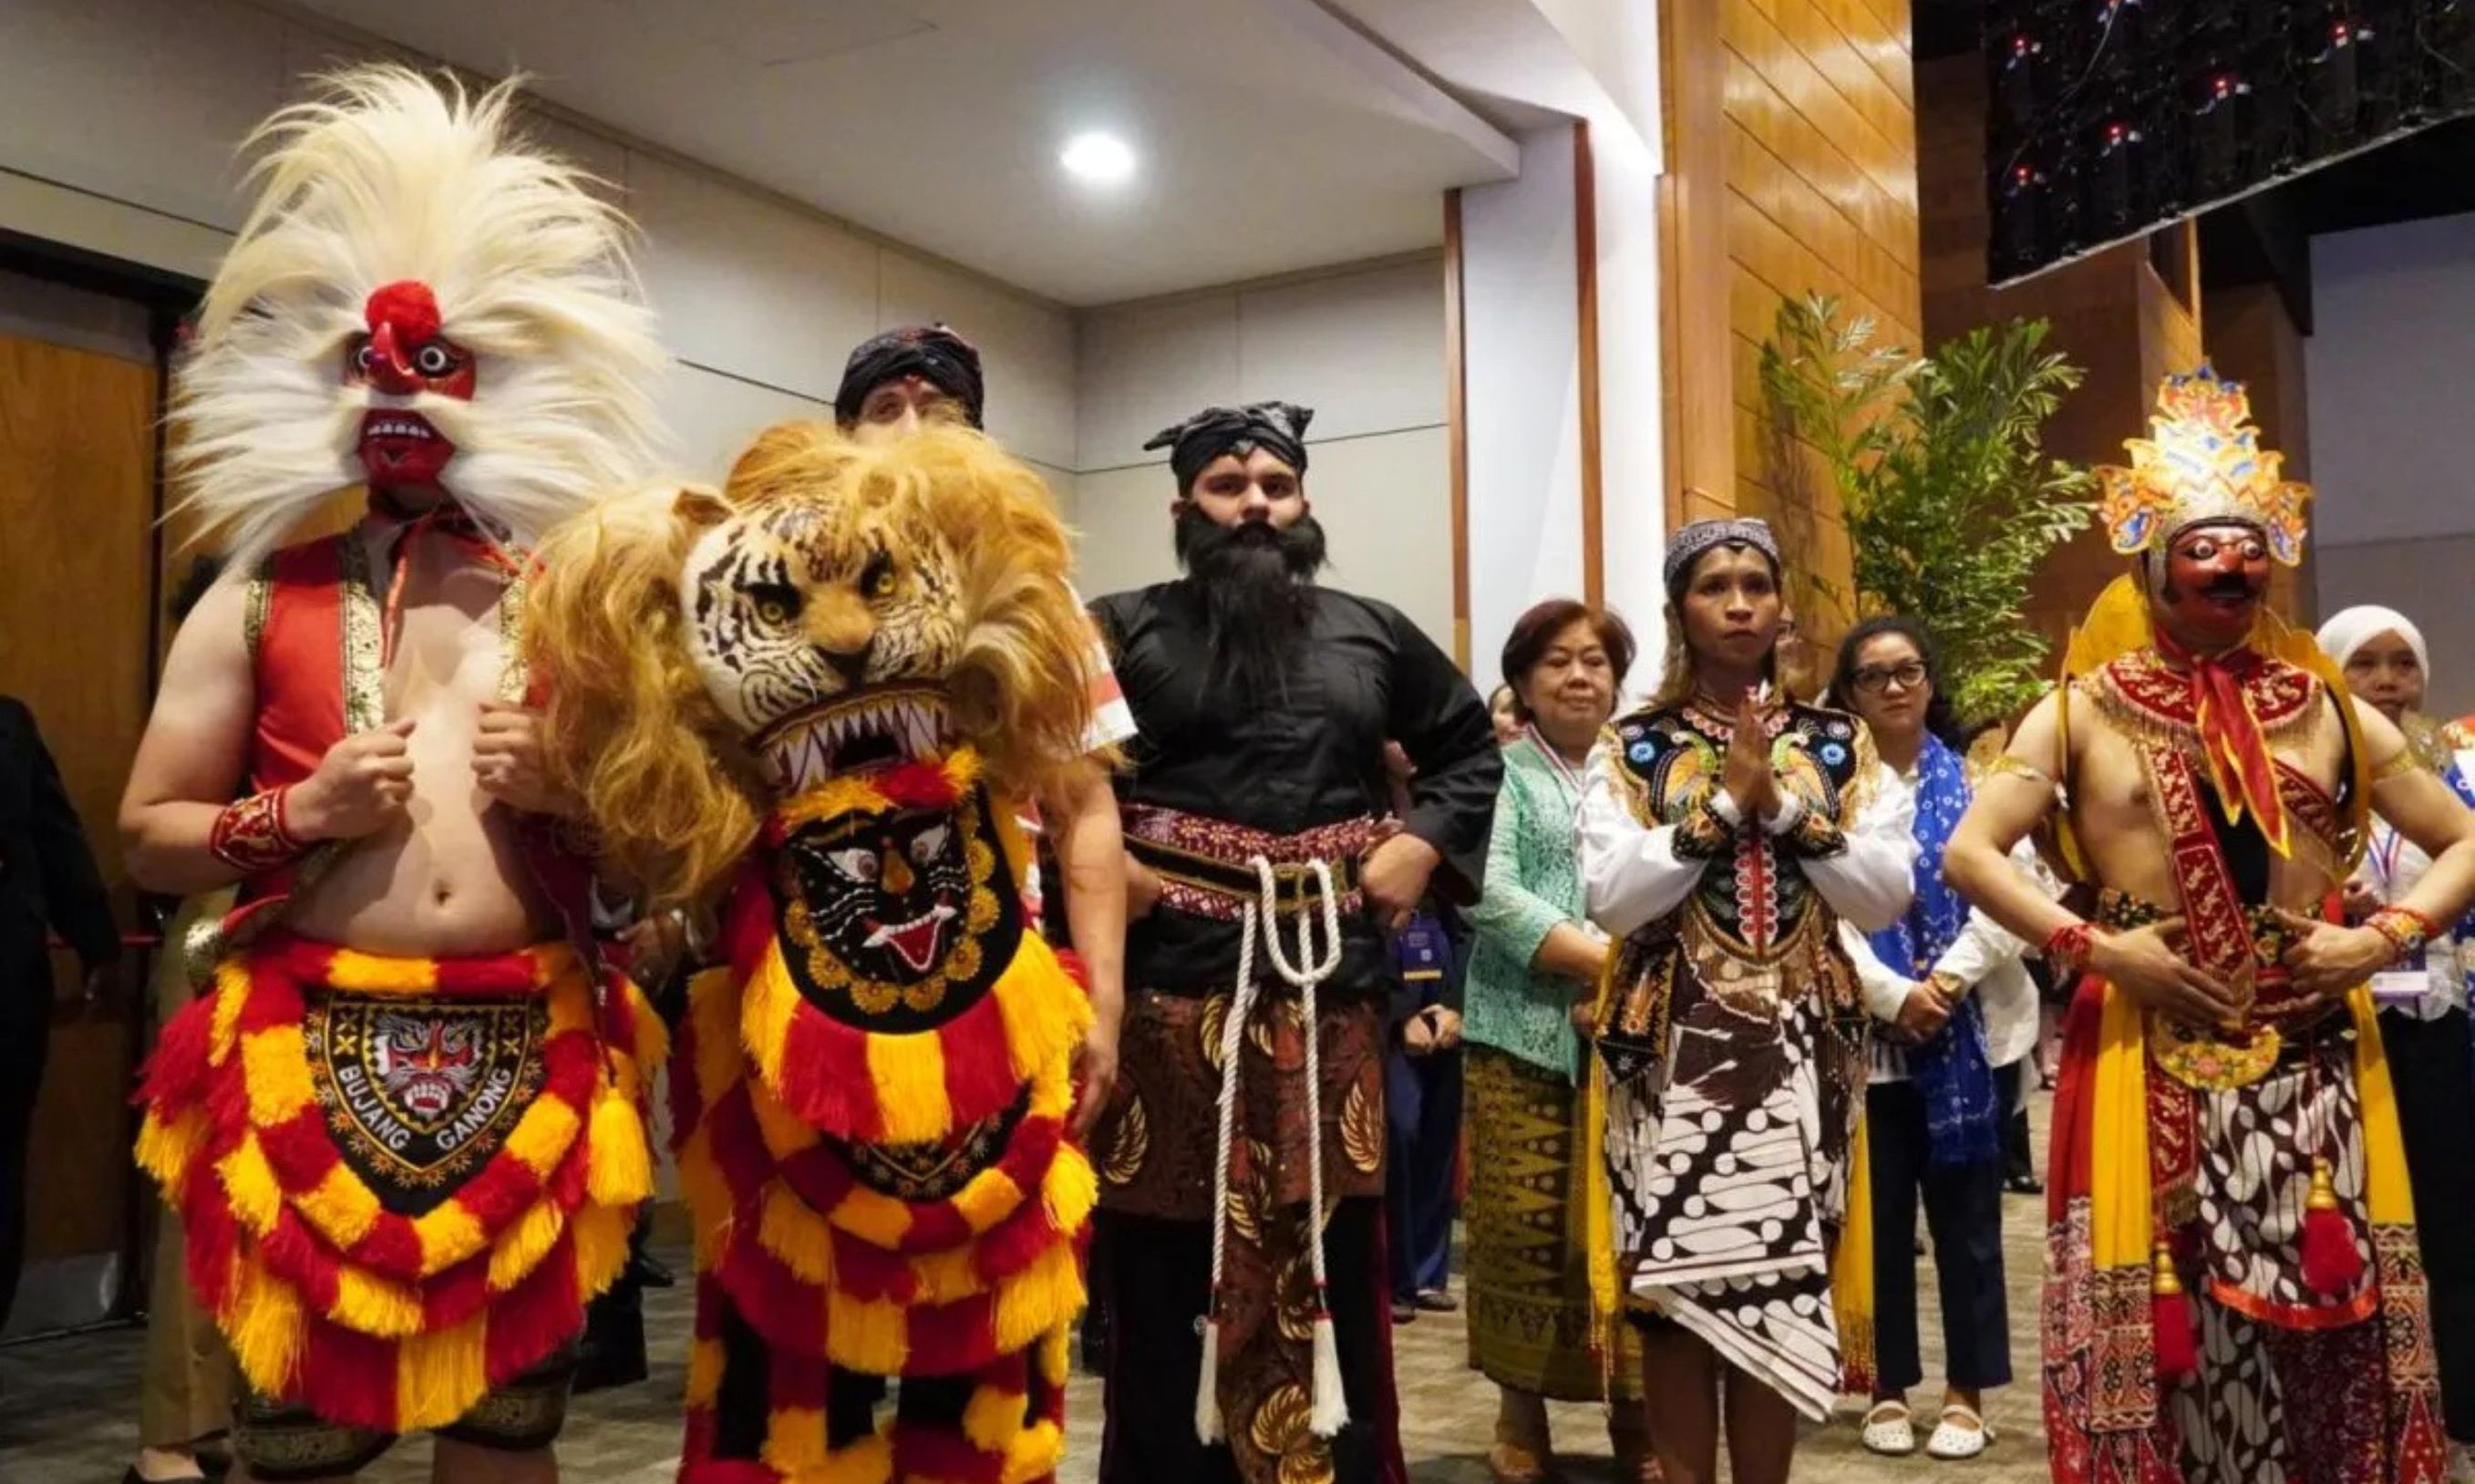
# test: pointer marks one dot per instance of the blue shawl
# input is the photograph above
(1952, 1072)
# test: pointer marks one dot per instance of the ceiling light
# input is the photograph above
(1098, 159)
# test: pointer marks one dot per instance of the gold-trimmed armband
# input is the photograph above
(252, 835)
(2398, 765)
(2010, 764)
(2405, 929)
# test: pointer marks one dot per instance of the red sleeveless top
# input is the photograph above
(296, 627)
(316, 627)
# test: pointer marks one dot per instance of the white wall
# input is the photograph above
(1521, 360)
(119, 122)
(1631, 425)
(1363, 346)
(2393, 336)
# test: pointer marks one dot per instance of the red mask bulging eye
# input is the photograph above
(383, 361)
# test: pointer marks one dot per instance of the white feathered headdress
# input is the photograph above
(386, 177)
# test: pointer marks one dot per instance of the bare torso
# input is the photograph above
(2115, 817)
(450, 878)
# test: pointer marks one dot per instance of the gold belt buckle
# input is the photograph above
(2217, 1061)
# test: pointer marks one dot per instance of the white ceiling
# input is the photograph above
(1272, 138)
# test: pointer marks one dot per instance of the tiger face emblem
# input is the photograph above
(427, 1065)
(792, 605)
(417, 1091)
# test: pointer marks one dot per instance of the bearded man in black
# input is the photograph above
(1265, 872)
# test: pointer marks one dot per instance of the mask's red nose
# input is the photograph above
(388, 367)
(402, 316)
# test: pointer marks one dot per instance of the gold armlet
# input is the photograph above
(2400, 764)
(2011, 766)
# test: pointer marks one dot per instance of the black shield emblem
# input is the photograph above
(420, 1092)
(897, 920)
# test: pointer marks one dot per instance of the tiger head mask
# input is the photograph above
(708, 655)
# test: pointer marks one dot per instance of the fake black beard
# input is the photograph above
(1258, 597)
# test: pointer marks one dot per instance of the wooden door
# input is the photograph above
(77, 576)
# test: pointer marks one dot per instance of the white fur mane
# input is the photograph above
(385, 177)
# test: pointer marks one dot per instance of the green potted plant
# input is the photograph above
(1950, 500)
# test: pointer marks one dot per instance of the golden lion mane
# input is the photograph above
(673, 790)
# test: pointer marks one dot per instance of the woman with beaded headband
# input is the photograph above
(1725, 833)
(403, 1129)
(2234, 1291)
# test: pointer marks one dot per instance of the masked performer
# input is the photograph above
(403, 1129)
(1724, 832)
(927, 376)
(2232, 1291)
(1244, 1160)
(822, 692)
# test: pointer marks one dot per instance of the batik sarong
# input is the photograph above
(1530, 1310)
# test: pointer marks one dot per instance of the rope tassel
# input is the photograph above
(1207, 1389)
(1330, 1412)
(1232, 1030)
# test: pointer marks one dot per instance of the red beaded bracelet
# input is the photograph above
(2069, 946)
(2405, 929)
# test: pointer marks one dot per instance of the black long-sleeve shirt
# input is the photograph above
(1314, 755)
(48, 878)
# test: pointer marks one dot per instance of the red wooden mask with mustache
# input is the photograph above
(2215, 579)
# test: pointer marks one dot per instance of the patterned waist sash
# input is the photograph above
(1206, 865)
(402, 1177)
(2256, 969)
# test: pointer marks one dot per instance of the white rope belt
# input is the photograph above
(1330, 1412)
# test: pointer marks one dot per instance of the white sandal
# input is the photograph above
(1893, 1435)
(1954, 1443)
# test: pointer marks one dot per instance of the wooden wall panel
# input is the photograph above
(1818, 141)
(2253, 339)
(1792, 74)
(77, 462)
(1758, 110)
(1695, 268)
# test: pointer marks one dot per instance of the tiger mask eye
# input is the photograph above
(775, 603)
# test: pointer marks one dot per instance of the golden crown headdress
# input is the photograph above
(2203, 463)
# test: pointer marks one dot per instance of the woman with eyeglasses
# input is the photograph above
(1958, 1014)
(1726, 831)
(1536, 960)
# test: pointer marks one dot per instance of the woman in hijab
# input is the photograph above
(2423, 1003)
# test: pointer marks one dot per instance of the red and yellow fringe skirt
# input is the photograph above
(880, 1204)
(377, 1292)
